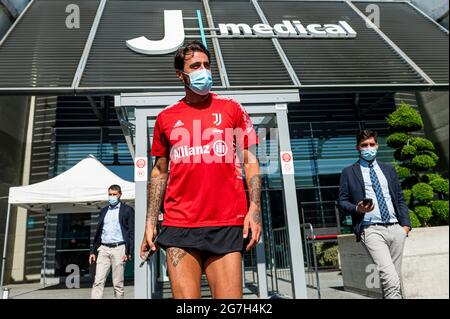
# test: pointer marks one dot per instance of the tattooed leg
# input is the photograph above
(185, 271)
(175, 255)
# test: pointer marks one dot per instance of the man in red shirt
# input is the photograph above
(207, 221)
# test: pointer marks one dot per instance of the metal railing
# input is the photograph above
(310, 258)
(280, 269)
(282, 261)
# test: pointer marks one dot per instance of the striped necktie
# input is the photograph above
(379, 193)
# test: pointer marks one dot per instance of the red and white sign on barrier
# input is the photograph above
(140, 169)
(287, 163)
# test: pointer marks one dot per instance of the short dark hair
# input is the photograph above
(115, 187)
(187, 48)
(366, 134)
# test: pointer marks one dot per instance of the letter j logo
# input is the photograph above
(173, 38)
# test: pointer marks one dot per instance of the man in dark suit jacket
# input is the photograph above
(370, 191)
(114, 242)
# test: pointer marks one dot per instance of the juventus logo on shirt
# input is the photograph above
(217, 118)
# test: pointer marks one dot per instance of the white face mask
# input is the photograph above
(200, 81)
(113, 200)
(369, 153)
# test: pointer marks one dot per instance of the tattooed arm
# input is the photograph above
(253, 219)
(156, 188)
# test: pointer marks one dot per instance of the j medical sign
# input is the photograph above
(174, 33)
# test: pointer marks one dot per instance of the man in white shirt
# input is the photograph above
(113, 242)
(370, 191)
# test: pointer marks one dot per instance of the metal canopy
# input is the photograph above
(40, 55)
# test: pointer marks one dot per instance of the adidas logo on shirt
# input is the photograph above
(178, 123)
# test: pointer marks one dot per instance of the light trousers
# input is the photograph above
(107, 259)
(385, 246)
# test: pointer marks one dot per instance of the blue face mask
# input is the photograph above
(113, 200)
(200, 81)
(368, 154)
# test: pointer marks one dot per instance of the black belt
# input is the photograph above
(382, 224)
(113, 245)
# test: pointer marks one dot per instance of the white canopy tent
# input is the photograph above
(80, 189)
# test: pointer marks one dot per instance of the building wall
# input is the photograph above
(434, 109)
(13, 126)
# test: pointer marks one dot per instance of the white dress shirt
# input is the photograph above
(374, 216)
(112, 233)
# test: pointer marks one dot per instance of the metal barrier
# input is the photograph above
(310, 258)
(280, 269)
(282, 261)
(279, 272)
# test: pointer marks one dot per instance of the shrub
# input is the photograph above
(327, 254)
(402, 171)
(415, 222)
(423, 162)
(422, 144)
(434, 156)
(407, 193)
(405, 119)
(330, 256)
(422, 192)
(424, 213)
(440, 208)
(440, 185)
(431, 176)
(397, 140)
(408, 151)
(426, 193)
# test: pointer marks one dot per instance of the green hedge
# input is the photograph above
(422, 192)
(434, 156)
(424, 213)
(402, 171)
(440, 208)
(440, 185)
(415, 222)
(407, 193)
(397, 140)
(405, 119)
(408, 151)
(422, 144)
(432, 176)
(423, 162)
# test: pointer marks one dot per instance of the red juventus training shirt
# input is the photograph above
(205, 186)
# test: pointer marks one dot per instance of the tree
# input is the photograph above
(426, 192)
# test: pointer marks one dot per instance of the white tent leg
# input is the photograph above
(5, 245)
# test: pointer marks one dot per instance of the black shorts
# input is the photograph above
(209, 241)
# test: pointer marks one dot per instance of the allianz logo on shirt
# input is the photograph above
(218, 148)
(174, 33)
